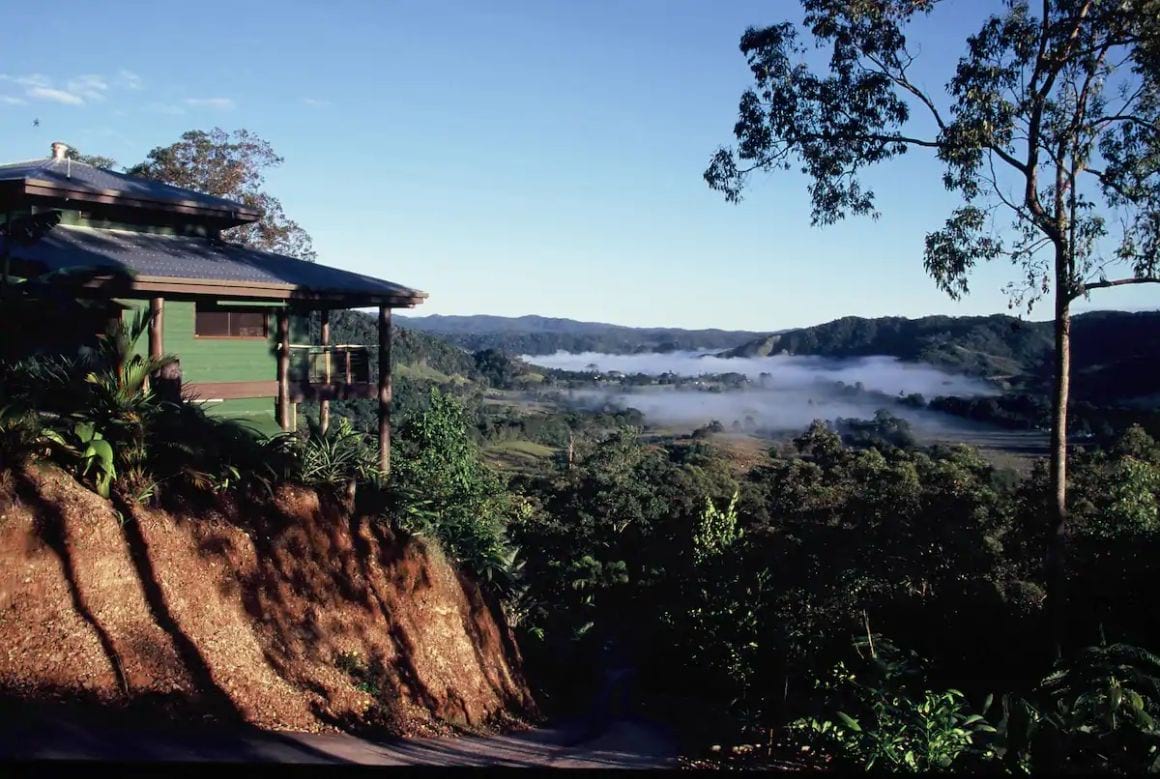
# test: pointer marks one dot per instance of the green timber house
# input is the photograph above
(239, 321)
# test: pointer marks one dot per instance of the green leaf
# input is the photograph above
(54, 436)
(849, 722)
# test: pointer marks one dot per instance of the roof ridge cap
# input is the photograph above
(74, 161)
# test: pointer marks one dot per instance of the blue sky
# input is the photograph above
(508, 157)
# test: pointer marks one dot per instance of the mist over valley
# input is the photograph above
(778, 394)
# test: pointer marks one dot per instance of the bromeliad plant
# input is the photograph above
(337, 456)
(91, 454)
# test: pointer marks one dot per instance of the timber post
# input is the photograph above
(384, 390)
(166, 382)
(156, 337)
(284, 369)
(324, 340)
(156, 328)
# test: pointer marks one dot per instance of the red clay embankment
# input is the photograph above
(252, 613)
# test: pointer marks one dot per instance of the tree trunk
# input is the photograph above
(384, 390)
(1056, 572)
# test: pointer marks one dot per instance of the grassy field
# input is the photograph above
(518, 455)
(1014, 449)
(423, 371)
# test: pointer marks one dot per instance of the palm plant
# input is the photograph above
(120, 373)
(119, 400)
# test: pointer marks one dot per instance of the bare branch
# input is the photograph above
(1127, 118)
(905, 83)
(1086, 287)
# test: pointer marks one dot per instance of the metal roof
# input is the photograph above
(74, 176)
(153, 257)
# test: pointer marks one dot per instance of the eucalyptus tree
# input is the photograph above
(233, 166)
(96, 160)
(1048, 130)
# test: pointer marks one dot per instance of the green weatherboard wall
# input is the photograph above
(222, 359)
(216, 359)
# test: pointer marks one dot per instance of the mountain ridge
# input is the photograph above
(1115, 353)
(535, 334)
(1108, 347)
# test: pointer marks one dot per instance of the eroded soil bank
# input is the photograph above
(288, 614)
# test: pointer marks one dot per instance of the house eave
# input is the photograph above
(48, 189)
(179, 288)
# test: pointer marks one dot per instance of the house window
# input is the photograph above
(219, 323)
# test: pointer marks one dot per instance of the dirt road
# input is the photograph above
(623, 743)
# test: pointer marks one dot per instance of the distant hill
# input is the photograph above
(547, 335)
(991, 345)
(1114, 353)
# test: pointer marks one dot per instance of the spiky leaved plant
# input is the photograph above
(118, 401)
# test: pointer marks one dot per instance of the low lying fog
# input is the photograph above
(797, 390)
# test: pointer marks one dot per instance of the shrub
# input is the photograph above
(881, 715)
(1098, 712)
(441, 488)
(189, 449)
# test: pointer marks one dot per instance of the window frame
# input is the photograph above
(200, 308)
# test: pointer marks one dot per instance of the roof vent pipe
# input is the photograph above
(59, 150)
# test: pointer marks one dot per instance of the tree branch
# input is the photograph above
(1129, 118)
(1057, 61)
(1119, 282)
(1107, 182)
(906, 84)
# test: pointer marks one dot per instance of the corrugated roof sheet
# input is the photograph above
(81, 176)
(184, 257)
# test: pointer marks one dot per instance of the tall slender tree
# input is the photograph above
(1049, 130)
